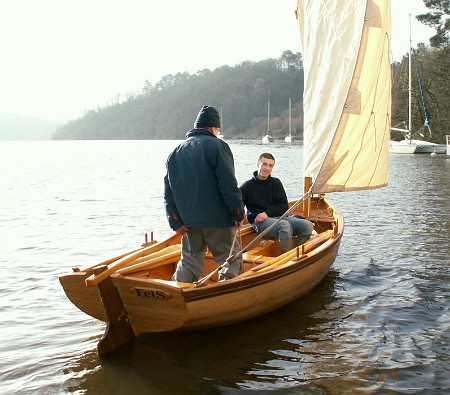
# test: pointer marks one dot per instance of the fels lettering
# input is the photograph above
(152, 293)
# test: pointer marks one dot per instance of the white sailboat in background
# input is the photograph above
(409, 145)
(289, 138)
(268, 138)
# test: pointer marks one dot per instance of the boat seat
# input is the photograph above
(254, 254)
(259, 249)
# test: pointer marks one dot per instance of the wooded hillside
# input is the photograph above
(168, 109)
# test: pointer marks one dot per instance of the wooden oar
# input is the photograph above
(90, 270)
(98, 275)
(153, 260)
(126, 259)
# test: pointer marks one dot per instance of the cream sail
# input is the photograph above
(347, 97)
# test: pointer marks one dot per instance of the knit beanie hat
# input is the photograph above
(208, 116)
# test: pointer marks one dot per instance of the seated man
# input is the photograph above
(265, 200)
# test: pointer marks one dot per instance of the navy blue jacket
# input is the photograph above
(266, 196)
(200, 187)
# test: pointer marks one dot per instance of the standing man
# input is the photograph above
(203, 202)
(265, 200)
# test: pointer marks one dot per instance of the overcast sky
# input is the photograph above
(59, 58)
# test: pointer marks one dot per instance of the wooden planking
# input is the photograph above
(152, 306)
(248, 302)
(87, 299)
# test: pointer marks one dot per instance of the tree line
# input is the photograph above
(167, 110)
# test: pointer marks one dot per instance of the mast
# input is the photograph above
(290, 134)
(409, 83)
(268, 110)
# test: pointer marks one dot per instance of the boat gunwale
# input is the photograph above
(191, 294)
(234, 285)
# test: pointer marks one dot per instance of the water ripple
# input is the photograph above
(379, 323)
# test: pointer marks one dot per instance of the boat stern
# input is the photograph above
(151, 305)
(87, 299)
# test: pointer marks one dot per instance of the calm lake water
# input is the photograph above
(378, 324)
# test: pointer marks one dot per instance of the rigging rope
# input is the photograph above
(426, 122)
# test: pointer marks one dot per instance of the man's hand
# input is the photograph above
(182, 230)
(261, 217)
(238, 224)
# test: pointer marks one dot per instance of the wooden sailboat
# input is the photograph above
(134, 294)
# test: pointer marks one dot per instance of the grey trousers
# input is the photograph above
(219, 240)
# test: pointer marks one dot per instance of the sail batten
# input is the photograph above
(347, 96)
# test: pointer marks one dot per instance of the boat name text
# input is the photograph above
(152, 293)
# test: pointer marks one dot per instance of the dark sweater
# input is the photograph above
(266, 196)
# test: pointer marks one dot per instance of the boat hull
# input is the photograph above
(137, 286)
(267, 139)
(156, 307)
(402, 147)
(425, 147)
(416, 147)
(87, 299)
